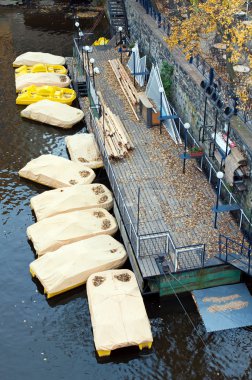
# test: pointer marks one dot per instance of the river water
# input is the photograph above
(53, 339)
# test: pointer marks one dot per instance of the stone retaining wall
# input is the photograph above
(187, 96)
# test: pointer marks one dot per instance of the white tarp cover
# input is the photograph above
(53, 113)
(140, 65)
(42, 79)
(82, 148)
(73, 198)
(72, 264)
(55, 171)
(31, 58)
(152, 92)
(117, 310)
(52, 233)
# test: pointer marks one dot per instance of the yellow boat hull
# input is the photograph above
(33, 94)
(41, 68)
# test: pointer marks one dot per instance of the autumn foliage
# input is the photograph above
(198, 25)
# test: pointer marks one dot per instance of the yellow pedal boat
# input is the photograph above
(101, 41)
(40, 68)
(33, 94)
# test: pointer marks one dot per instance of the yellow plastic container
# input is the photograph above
(101, 41)
(41, 68)
(33, 94)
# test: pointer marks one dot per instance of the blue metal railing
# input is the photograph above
(234, 253)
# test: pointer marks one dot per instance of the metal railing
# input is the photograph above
(202, 66)
(146, 244)
(211, 174)
(236, 254)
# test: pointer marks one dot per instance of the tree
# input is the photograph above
(198, 25)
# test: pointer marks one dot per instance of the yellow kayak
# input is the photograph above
(101, 41)
(33, 94)
(41, 68)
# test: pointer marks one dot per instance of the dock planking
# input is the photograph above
(169, 200)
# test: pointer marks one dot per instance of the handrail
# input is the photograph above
(231, 196)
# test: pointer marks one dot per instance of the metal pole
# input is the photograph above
(204, 122)
(87, 62)
(138, 209)
(121, 44)
(161, 106)
(215, 129)
(93, 78)
(103, 126)
(184, 161)
(134, 67)
(228, 132)
(217, 203)
(92, 67)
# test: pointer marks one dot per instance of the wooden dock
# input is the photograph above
(160, 210)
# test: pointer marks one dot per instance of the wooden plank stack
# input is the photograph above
(126, 84)
(116, 138)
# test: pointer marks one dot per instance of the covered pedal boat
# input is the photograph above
(55, 171)
(71, 265)
(82, 148)
(40, 68)
(33, 94)
(52, 233)
(117, 311)
(31, 58)
(53, 113)
(42, 79)
(67, 199)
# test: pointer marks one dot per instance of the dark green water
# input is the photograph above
(53, 340)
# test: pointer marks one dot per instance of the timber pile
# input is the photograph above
(117, 140)
(126, 84)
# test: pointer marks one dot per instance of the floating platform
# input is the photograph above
(52, 233)
(53, 113)
(31, 58)
(224, 307)
(83, 148)
(70, 266)
(55, 171)
(117, 311)
(165, 217)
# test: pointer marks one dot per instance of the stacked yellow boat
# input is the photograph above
(40, 68)
(42, 76)
(33, 94)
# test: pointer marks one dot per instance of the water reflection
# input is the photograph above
(53, 338)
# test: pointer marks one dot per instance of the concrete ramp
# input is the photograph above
(224, 307)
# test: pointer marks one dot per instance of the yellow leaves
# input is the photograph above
(218, 17)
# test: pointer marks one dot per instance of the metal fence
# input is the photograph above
(236, 254)
(146, 244)
(211, 173)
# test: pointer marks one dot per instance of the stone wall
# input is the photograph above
(187, 96)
